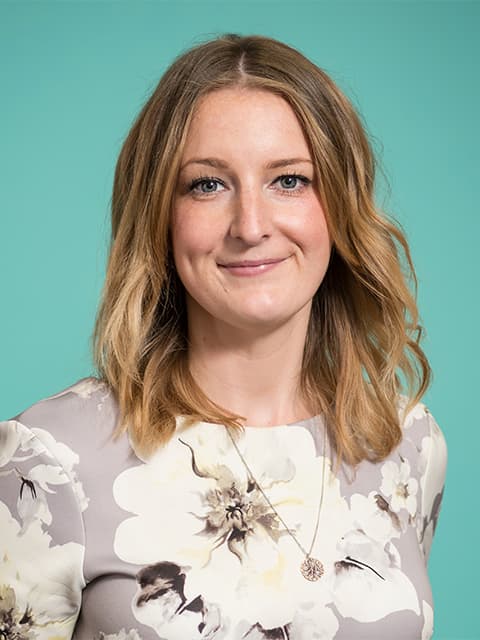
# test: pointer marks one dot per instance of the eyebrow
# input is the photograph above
(219, 164)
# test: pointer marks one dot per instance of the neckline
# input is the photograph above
(297, 423)
(305, 422)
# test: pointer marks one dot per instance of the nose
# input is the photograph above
(251, 216)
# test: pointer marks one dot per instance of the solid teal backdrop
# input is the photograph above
(73, 76)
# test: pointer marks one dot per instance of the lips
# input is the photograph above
(249, 268)
(250, 263)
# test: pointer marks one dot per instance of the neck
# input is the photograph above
(254, 373)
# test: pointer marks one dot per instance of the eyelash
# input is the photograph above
(198, 181)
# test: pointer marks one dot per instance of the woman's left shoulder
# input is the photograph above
(419, 423)
(424, 446)
(423, 454)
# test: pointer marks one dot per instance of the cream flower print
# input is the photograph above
(85, 389)
(161, 603)
(416, 413)
(399, 486)
(371, 567)
(218, 523)
(369, 563)
(67, 458)
(304, 626)
(10, 440)
(32, 502)
(433, 448)
(372, 515)
(427, 630)
(423, 457)
(121, 635)
(32, 571)
(56, 466)
(15, 623)
(17, 443)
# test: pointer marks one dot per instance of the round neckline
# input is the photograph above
(297, 423)
(305, 422)
(260, 428)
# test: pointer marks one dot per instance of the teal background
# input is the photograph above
(73, 76)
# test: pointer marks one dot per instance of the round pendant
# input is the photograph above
(312, 569)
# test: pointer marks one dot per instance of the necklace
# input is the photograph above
(311, 568)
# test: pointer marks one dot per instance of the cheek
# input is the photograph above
(311, 229)
(185, 235)
(193, 238)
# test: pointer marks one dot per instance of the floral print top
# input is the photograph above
(99, 544)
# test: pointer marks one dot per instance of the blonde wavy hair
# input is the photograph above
(363, 331)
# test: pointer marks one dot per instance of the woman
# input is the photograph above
(267, 479)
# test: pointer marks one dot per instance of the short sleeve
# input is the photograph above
(433, 464)
(42, 537)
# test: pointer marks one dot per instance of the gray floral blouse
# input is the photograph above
(99, 544)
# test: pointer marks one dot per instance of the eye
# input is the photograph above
(292, 181)
(205, 185)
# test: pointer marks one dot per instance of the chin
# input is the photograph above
(267, 319)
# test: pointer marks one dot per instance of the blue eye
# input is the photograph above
(290, 181)
(207, 184)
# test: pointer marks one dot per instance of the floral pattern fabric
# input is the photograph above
(97, 543)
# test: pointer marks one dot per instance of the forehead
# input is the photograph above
(244, 117)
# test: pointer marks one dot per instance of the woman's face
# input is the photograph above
(250, 239)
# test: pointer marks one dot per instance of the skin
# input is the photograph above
(247, 332)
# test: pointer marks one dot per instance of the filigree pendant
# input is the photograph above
(312, 569)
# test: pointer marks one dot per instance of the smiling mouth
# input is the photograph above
(251, 263)
(246, 268)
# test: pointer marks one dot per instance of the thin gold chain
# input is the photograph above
(300, 546)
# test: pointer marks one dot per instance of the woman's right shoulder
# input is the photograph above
(81, 414)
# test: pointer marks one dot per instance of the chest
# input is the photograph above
(197, 549)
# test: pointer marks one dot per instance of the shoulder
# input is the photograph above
(87, 403)
(71, 432)
(88, 394)
(424, 447)
(77, 419)
(420, 428)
